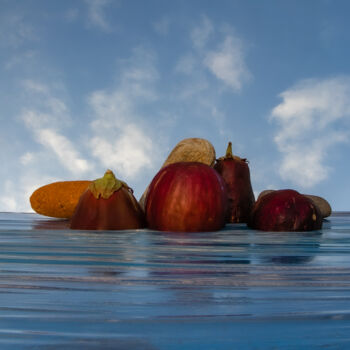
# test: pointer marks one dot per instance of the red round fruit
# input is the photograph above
(285, 210)
(186, 197)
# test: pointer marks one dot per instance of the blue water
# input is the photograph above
(232, 289)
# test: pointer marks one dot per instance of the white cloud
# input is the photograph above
(202, 33)
(64, 149)
(45, 121)
(27, 158)
(51, 156)
(120, 136)
(12, 196)
(45, 107)
(35, 86)
(7, 199)
(139, 75)
(129, 152)
(96, 13)
(20, 59)
(303, 166)
(227, 63)
(35, 120)
(16, 193)
(308, 121)
(15, 31)
(215, 64)
(217, 51)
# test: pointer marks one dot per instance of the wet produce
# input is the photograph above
(235, 172)
(285, 210)
(186, 197)
(108, 204)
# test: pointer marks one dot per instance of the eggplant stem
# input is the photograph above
(229, 151)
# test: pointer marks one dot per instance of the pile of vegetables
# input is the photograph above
(192, 192)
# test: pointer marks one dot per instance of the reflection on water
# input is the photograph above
(281, 260)
(102, 344)
(306, 245)
(51, 224)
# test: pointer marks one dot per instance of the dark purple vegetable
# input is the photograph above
(285, 210)
(108, 204)
(235, 172)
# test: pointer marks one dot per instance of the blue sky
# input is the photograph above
(87, 85)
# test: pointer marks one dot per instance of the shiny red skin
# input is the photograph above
(186, 197)
(120, 211)
(236, 175)
(285, 210)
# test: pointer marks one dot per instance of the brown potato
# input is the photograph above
(324, 207)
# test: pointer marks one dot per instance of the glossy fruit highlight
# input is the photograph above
(186, 197)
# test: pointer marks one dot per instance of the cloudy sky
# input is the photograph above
(87, 85)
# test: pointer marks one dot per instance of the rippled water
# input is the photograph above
(232, 289)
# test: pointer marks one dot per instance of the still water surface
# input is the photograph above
(232, 289)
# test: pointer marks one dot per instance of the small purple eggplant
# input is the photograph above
(236, 175)
(108, 204)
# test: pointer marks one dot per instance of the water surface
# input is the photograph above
(232, 289)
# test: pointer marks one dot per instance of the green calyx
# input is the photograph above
(106, 185)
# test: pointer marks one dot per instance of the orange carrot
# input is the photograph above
(58, 199)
